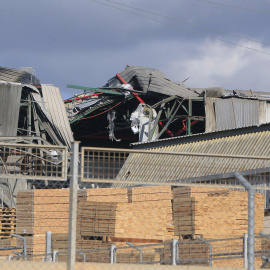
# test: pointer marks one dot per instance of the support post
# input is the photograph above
(73, 206)
(189, 116)
(48, 246)
(245, 250)
(29, 120)
(113, 254)
(55, 256)
(251, 212)
(174, 251)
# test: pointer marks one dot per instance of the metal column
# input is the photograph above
(73, 206)
(189, 116)
(48, 246)
(251, 212)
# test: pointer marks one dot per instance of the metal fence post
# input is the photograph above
(24, 244)
(48, 246)
(113, 254)
(210, 249)
(245, 249)
(251, 212)
(174, 251)
(139, 249)
(73, 206)
(55, 256)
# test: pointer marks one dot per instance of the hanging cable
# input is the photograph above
(194, 24)
(227, 5)
(183, 28)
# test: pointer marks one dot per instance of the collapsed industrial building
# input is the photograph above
(138, 104)
(137, 108)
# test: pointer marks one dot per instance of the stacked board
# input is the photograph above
(44, 210)
(214, 213)
(266, 224)
(143, 220)
(107, 195)
(8, 222)
(155, 195)
(39, 211)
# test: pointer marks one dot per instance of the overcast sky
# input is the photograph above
(83, 42)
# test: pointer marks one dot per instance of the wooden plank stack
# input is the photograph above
(39, 211)
(8, 222)
(43, 210)
(214, 213)
(107, 195)
(155, 195)
(143, 220)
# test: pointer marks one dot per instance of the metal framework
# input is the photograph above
(125, 166)
(31, 161)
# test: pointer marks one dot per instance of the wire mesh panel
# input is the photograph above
(33, 161)
(124, 167)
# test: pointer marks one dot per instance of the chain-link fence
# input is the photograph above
(137, 207)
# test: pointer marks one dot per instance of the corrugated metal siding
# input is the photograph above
(143, 167)
(152, 80)
(55, 107)
(235, 113)
(9, 108)
(264, 112)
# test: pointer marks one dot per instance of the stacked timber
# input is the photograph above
(266, 228)
(218, 213)
(155, 195)
(7, 246)
(7, 222)
(39, 211)
(42, 210)
(107, 195)
(143, 220)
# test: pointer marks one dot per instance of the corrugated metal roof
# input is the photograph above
(153, 80)
(16, 75)
(170, 168)
(55, 107)
(10, 94)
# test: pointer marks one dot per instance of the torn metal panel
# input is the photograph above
(151, 80)
(56, 109)
(10, 94)
(210, 119)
